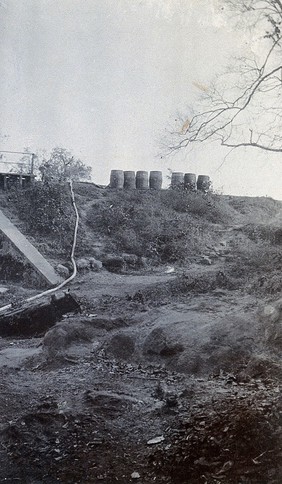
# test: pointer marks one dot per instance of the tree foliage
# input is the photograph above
(62, 166)
(243, 107)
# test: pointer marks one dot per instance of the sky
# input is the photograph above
(106, 80)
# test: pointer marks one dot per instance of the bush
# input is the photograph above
(141, 223)
(208, 206)
(264, 233)
(46, 210)
(255, 259)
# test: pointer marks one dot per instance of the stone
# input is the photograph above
(3, 290)
(95, 265)
(63, 270)
(82, 264)
(135, 475)
(158, 343)
(114, 263)
(205, 260)
(130, 259)
(156, 440)
(97, 251)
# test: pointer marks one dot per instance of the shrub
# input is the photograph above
(141, 223)
(267, 233)
(255, 259)
(208, 206)
(46, 210)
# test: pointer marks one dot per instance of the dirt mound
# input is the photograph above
(121, 346)
(198, 343)
(158, 343)
(64, 334)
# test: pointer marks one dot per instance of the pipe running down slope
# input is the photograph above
(53, 290)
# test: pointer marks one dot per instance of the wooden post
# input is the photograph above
(32, 163)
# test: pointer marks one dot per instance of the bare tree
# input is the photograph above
(244, 105)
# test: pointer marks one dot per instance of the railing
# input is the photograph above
(23, 167)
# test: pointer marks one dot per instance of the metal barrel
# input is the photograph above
(156, 180)
(142, 180)
(190, 181)
(129, 180)
(177, 179)
(117, 179)
(203, 183)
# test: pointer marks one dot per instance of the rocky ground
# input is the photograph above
(170, 374)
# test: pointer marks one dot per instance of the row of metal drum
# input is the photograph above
(142, 180)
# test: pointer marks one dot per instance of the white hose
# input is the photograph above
(66, 281)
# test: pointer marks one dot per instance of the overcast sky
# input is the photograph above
(106, 79)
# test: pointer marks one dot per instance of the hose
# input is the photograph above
(69, 279)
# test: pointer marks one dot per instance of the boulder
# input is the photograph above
(63, 271)
(82, 264)
(95, 265)
(271, 316)
(114, 263)
(158, 343)
(130, 259)
(97, 251)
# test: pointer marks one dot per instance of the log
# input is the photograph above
(35, 318)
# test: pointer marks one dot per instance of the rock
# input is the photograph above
(110, 403)
(271, 317)
(114, 263)
(156, 440)
(205, 260)
(82, 264)
(97, 251)
(63, 270)
(95, 265)
(271, 312)
(130, 259)
(157, 343)
(169, 270)
(3, 290)
(135, 475)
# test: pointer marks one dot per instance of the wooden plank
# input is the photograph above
(36, 317)
(38, 262)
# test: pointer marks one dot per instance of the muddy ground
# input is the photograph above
(82, 403)
(169, 374)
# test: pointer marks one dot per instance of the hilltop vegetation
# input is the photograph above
(161, 227)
